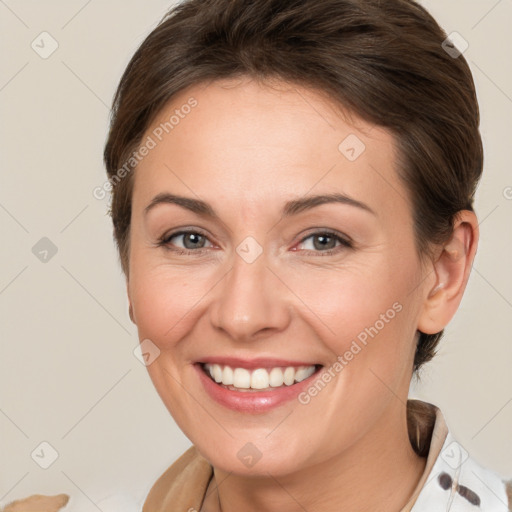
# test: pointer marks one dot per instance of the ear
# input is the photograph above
(130, 307)
(452, 269)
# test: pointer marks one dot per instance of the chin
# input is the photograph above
(251, 459)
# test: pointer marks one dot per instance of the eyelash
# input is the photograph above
(164, 241)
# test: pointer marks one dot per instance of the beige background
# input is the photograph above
(68, 374)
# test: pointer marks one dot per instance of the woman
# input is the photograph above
(293, 188)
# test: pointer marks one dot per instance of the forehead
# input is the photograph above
(239, 140)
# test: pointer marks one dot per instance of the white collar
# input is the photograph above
(454, 481)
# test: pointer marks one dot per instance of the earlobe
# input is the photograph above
(452, 269)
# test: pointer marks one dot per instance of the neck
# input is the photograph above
(379, 472)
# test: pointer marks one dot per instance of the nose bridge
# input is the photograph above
(251, 299)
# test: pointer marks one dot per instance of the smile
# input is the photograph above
(259, 387)
(266, 379)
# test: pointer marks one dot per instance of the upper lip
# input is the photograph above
(258, 362)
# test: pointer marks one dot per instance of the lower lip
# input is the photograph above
(251, 401)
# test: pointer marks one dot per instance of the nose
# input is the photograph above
(251, 302)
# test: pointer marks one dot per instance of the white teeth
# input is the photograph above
(304, 373)
(289, 375)
(259, 378)
(227, 376)
(276, 377)
(217, 373)
(241, 378)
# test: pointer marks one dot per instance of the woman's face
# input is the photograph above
(265, 278)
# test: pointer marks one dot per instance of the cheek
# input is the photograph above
(345, 302)
(167, 300)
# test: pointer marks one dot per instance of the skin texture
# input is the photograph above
(246, 149)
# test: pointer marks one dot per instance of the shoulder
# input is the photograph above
(480, 485)
(453, 479)
(182, 486)
(460, 482)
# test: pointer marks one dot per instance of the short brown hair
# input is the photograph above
(384, 61)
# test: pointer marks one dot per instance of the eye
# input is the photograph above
(193, 241)
(324, 242)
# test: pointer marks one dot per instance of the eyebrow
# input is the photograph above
(293, 207)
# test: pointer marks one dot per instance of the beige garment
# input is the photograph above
(183, 486)
(38, 503)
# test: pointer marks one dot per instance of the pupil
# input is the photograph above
(322, 245)
(192, 235)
